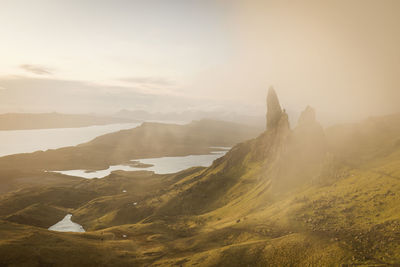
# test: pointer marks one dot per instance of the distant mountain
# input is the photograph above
(26, 121)
(190, 115)
(149, 140)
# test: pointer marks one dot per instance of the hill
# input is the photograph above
(290, 197)
(190, 115)
(149, 140)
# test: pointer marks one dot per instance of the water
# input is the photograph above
(66, 225)
(162, 165)
(25, 141)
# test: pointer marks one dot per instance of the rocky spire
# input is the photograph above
(274, 110)
(307, 116)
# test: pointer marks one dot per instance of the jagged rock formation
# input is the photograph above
(307, 116)
(305, 152)
(309, 131)
(274, 111)
(290, 157)
(268, 146)
(256, 206)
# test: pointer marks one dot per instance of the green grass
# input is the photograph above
(260, 205)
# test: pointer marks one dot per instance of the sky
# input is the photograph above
(80, 56)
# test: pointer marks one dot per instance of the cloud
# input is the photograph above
(80, 97)
(36, 69)
(148, 81)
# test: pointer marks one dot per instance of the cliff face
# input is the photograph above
(274, 110)
(286, 158)
(305, 152)
(268, 147)
(252, 172)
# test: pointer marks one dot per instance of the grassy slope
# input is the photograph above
(235, 213)
(12, 180)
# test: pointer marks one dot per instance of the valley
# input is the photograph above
(149, 133)
(295, 196)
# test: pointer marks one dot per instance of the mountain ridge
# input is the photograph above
(148, 140)
(289, 197)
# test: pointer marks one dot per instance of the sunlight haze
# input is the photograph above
(103, 56)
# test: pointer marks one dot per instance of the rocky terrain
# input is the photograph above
(293, 196)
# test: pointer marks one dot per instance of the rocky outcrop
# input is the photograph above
(288, 157)
(308, 128)
(274, 111)
(307, 117)
(268, 147)
(305, 153)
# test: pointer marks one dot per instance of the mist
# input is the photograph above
(341, 57)
(200, 133)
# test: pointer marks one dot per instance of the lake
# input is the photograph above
(161, 165)
(25, 141)
(67, 225)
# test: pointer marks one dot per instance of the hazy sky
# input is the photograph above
(340, 56)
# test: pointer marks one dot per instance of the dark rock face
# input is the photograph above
(268, 147)
(274, 110)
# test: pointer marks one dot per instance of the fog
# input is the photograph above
(200, 132)
(341, 57)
